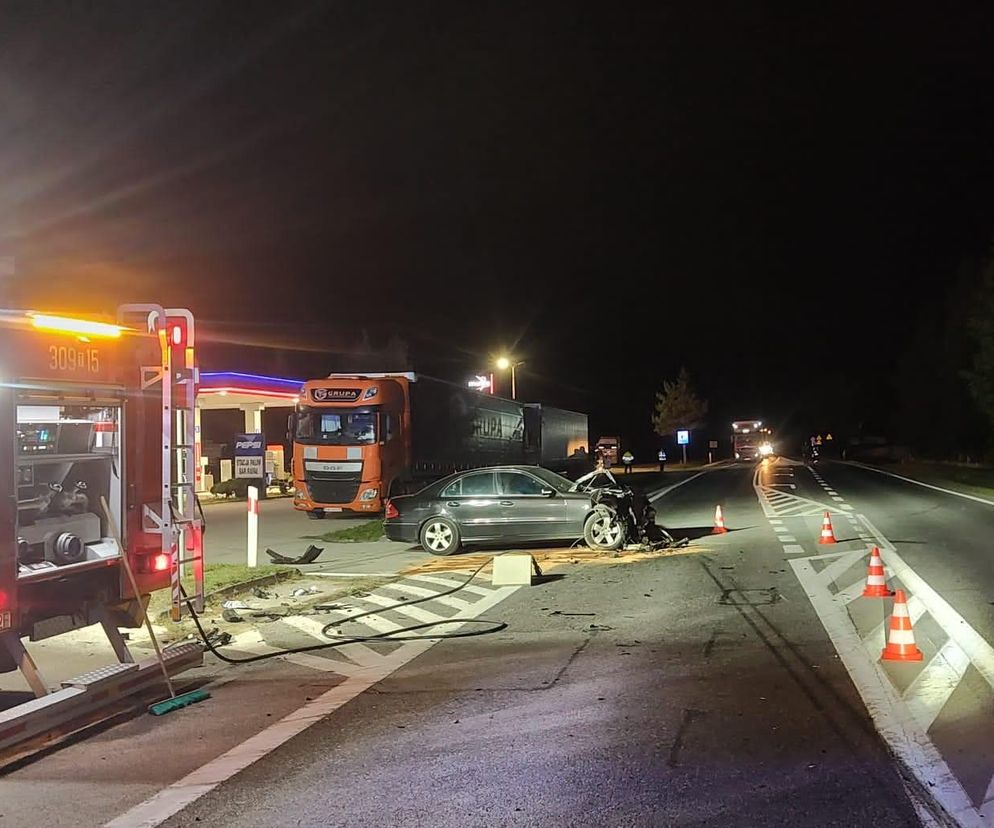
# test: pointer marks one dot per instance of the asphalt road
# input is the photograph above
(726, 685)
(696, 689)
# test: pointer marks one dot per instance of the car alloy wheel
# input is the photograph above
(438, 536)
(606, 531)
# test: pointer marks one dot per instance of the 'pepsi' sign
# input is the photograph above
(250, 456)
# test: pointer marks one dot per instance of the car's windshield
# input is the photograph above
(336, 426)
(559, 483)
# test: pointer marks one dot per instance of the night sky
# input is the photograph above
(771, 196)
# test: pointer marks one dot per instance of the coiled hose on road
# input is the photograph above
(340, 641)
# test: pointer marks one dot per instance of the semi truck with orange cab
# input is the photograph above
(360, 438)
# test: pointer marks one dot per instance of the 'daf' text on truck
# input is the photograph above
(358, 439)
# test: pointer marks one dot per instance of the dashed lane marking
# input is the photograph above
(448, 582)
(417, 613)
(421, 592)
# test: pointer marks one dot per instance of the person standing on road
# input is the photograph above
(662, 460)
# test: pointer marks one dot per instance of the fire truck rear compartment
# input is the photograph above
(68, 457)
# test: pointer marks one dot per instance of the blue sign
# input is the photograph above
(250, 456)
(683, 437)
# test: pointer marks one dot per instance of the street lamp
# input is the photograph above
(503, 364)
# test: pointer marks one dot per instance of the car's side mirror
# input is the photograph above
(548, 492)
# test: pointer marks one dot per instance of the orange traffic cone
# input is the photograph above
(827, 535)
(719, 521)
(876, 579)
(901, 642)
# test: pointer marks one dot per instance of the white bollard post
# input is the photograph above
(253, 527)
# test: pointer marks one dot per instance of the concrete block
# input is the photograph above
(514, 569)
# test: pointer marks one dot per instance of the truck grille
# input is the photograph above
(338, 491)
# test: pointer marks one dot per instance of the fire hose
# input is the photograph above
(401, 634)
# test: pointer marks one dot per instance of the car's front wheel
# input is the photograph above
(440, 536)
(316, 514)
(603, 530)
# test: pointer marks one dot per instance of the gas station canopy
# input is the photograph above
(230, 389)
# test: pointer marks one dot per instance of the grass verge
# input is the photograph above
(371, 530)
(216, 576)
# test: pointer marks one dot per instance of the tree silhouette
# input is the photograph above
(980, 375)
(678, 406)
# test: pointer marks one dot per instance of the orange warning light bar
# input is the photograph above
(81, 327)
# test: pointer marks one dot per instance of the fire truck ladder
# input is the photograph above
(174, 518)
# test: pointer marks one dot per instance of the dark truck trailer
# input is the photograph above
(456, 428)
(557, 439)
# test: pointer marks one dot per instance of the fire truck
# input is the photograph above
(97, 468)
(751, 440)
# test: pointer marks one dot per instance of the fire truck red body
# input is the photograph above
(92, 413)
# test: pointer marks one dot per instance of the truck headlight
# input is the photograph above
(766, 449)
(300, 493)
(369, 494)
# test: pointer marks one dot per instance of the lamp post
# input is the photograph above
(504, 363)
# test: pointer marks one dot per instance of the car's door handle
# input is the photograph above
(507, 503)
(452, 503)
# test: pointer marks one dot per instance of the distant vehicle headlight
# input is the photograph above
(766, 449)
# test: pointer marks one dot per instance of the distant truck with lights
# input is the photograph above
(751, 440)
(360, 438)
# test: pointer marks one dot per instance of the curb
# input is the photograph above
(234, 589)
(261, 581)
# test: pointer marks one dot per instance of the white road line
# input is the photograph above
(787, 539)
(793, 549)
(416, 613)
(668, 489)
(981, 653)
(434, 579)
(838, 499)
(421, 592)
(988, 798)
(314, 662)
(926, 485)
(190, 788)
(376, 622)
(851, 592)
(932, 687)
(839, 566)
(310, 626)
(351, 574)
(893, 719)
(775, 522)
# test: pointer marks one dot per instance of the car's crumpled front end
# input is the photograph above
(633, 508)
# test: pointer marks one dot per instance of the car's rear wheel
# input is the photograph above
(440, 536)
(603, 530)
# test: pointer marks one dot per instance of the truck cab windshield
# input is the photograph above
(340, 427)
